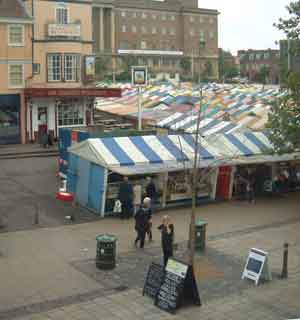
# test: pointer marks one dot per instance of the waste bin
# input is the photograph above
(200, 236)
(106, 251)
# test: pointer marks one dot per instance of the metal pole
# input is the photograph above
(284, 273)
(289, 55)
(140, 108)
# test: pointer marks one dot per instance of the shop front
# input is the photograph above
(51, 109)
(10, 109)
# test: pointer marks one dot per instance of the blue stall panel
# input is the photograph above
(72, 173)
(82, 187)
(96, 187)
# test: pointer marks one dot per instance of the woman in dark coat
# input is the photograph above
(167, 237)
(126, 198)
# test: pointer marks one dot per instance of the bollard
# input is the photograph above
(284, 273)
(37, 215)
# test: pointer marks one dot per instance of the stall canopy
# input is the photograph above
(153, 154)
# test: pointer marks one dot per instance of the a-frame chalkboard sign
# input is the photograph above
(154, 279)
(178, 287)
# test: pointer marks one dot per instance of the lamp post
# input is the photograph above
(195, 166)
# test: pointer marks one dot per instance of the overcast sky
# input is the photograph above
(247, 24)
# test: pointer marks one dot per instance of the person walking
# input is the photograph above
(250, 190)
(151, 192)
(141, 224)
(167, 237)
(147, 204)
(126, 198)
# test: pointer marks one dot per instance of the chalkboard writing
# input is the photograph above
(254, 265)
(178, 286)
(153, 280)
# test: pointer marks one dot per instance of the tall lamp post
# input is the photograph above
(195, 165)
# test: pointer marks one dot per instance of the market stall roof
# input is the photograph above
(151, 154)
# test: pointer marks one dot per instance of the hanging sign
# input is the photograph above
(178, 287)
(257, 267)
(139, 75)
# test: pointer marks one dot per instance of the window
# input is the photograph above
(36, 68)
(202, 39)
(133, 28)
(163, 30)
(251, 56)
(153, 16)
(172, 17)
(144, 30)
(16, 75)
(70, 113)
(143, 44)
(144, 15)
(192, 32)
(134, 15)
(62, 15)
(123, 14)
(163, 17)
(258, 56)
(124, 44)
(267, 55)
(211, 35)
(70, 67)
(172, 32)
(54, 67)
(211, 20)
(16, 35)
(154, 30)
(123, 28)
(201, 19)
(191, 18)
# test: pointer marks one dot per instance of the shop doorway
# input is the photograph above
(42, 122)
(10, 119)
(224, 181)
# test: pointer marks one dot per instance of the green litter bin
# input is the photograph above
(200, 236)
(106, 251)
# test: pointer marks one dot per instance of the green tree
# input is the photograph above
(284, 120)
(185, 65)
(227, 69)
(263, 75)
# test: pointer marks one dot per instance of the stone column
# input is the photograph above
(113, 45)
(101, 24)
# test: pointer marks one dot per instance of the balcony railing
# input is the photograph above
(71, 30)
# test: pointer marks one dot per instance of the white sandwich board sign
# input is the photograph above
(257, 266)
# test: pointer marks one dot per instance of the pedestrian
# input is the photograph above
(141, 223)
(126, 198)
(137, 197)
(147, 204)
(151, 192)
(167, 237)
(250, 190)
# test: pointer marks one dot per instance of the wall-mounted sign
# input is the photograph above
(257, 266)
(64, 30)
(89, 68)
(139, 75)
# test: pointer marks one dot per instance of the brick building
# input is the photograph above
(289, 58)
(252, 61)
(159, 34)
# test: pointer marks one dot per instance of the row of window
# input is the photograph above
(258, 56)
(255, 66)
(154, 62)
(153, 30)
(163, 16)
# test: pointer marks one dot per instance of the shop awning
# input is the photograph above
(73, 92)
(152, 154)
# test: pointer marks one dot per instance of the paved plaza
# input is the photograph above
(49, 272)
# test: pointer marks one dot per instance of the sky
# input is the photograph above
(247, 24)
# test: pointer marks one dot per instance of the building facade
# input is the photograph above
(15, 69)
(167, 36)
(252, 62)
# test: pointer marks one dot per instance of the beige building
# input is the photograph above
(62, 62)
(165, 35)
(15, 69)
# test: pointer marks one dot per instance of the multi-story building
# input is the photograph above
(160, 34)
(252, 62)
(289, 58)
(15, 68)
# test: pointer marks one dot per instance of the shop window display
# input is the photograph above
(70, 113)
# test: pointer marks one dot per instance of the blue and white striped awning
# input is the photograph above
(150, 154)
